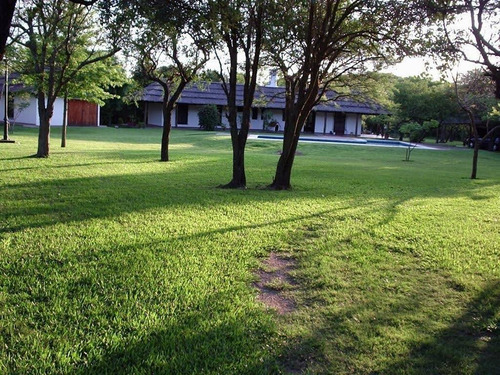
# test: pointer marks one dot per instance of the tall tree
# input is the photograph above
(52, 34)
(240, 25)
(170, 33)
(93, 84)
(316, 43)
(419, 99)
(7, 8)
(479, 43)
(476, 96)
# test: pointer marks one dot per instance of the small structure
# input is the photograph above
(331, 116)
(23, 107)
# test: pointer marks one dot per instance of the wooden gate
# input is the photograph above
(82, 113)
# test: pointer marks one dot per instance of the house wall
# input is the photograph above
(350, 124)
(255, 124)
(192, 117)
(324, 123)
(155, 116)
(57, 117)
(324, 120)
(26, 111)
(276, 115)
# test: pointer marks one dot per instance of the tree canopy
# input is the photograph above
(58, 43)
(478, 43)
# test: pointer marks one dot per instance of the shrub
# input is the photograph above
(208, 117)
(417, 132)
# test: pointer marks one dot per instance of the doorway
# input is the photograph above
(339, 124)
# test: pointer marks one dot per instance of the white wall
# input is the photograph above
(193, 120)
(27, 115)
(155, 116)
(57, 117)
(350, 124)
(277, 115)
(320, 127)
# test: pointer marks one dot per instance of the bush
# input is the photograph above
(417, 132)
(208, 117)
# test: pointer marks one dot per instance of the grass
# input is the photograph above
(112, 262)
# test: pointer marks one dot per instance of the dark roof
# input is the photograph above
(265, 97)
(14, 83)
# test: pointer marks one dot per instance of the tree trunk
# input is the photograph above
(45, 111)
(239, 180)
(44, 137)
(167, 107)
(475, 156)
(282, 177)
(65, 121)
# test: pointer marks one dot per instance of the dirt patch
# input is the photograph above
(274, 280)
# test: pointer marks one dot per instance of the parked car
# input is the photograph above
(485, 144)
(496, 144)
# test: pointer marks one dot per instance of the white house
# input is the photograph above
(339, 117)
(23, 108)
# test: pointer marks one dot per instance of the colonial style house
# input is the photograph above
(338, 117)
(23, 107)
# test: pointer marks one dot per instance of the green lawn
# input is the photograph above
(115, 263)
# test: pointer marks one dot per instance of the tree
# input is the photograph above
(419, 99)
(52, 35)
(239, 25)
(92, 84)
(476, 96)
(482, 34)
(169, 33)
(7, 8)
(315, 44)
(209, 75)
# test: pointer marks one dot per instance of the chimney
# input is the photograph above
(273, 80)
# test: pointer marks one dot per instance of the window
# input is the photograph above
(182, 114)
(255, 113)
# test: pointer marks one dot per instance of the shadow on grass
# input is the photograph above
(64, 200)
(402, 333)
(389, 318)
(470, 345)
(199, 344)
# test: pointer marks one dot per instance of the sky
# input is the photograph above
(414, 66)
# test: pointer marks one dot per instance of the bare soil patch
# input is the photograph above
(273, 280)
